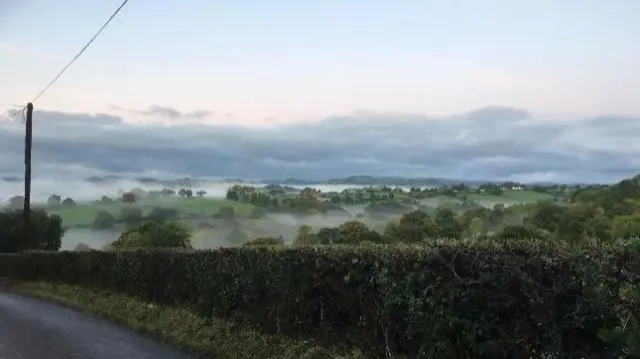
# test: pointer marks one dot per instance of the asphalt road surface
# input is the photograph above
(36, 329)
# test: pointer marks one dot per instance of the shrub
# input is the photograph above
(46, 231)
(104, 220)
(452, 300)
(151, 234)
(225, 212)
(265, 241)
(161, 215)
(68, 202)
(131, 216)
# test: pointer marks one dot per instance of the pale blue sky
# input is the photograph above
(294, 60)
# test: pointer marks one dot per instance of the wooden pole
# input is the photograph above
(26, 213)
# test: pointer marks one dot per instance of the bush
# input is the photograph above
(151, 234)
(161, 215)
(265, 241)
(68, 202)
(131, 216)
(46, 232)
(104, 220)
(453, 300)
(225, 212)
(257, 212)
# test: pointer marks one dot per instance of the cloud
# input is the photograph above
(490, 143)
(167, 112)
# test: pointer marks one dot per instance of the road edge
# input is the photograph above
(212, 338)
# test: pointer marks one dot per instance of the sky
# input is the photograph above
(325, 88)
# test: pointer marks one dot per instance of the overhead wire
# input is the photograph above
(64, 69)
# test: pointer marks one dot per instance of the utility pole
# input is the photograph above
(26, 212)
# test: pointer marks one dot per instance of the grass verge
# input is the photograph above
(213, 338)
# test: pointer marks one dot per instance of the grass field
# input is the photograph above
(84, 214)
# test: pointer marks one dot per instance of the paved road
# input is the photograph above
(35, 329)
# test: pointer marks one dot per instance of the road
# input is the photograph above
(36, 329)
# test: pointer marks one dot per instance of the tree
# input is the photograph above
(413, 227)
(105, 200)
(257, 212)
(46, 231)
(355, 232)
(185, 192)
(150, 234)
(475, 229)
(104, 220)
(68, 202)
(128, 197)
(304, 236)
(448, 225)
(225, 212)
(201, 193)
(167, 192)
(160, 215)
(232, 195)
(54, 200)
(626, 226)
(131, 216)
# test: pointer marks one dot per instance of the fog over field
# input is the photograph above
(493, 143)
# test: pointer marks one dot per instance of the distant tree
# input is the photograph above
(160, 215)
(304, 236)
(104, 220)
(201, 193)
(185, 192)
(54, 200)
(225, 212)
(447, 224)
(131, 216)
(128, 197)
(105, 200)
(257, 212)
(68, 202)
(232, 195)
(46, 232)
(150, 234)
(167, 192)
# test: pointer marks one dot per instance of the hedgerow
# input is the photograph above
(451, 300)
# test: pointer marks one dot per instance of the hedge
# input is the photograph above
(464, 300)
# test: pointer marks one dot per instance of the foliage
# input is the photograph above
(129, 197)
(453, 299)
(161, 215)
(265, 241)
(68, 202)
(131, 216)
(210, 338)
(54, 200)
(46, 232)
(225, 212)
(104, 220)
(151, 234)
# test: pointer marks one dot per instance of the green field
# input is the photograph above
(84, 213)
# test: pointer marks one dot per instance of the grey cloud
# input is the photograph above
(491, 143)
(168, 112)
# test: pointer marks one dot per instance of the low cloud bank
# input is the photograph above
(493, 143)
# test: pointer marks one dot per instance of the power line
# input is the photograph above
(64, 69)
